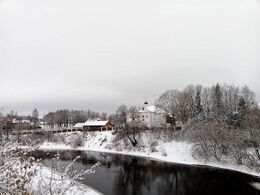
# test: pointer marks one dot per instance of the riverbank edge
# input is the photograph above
(240, 169)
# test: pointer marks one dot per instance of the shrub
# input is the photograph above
(153, 146)
(33, 139)
(77, 142)
(163, 152)
(215, 139)
(16, 169)
(58, 138)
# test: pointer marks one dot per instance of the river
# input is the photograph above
(131, 175)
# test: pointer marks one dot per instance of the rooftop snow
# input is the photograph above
(91, 123)
(95, 123)
(152, 109)
(79, 125)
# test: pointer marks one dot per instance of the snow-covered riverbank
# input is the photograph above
(46, 181)
(172, 151)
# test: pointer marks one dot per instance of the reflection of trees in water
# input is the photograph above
(141, 178)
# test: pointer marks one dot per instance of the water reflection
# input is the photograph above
(126, 175)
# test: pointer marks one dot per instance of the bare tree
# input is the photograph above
(35, 117)
(104, 116)
(198, 104)
(133, 126)
(121, 116)
(209, 138)
(248, 95)
(206, 101)
(168, 102)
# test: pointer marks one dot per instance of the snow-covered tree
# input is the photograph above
(121, 116)
(168, 102)
(16, 169)
(60, 180)
(217, 100)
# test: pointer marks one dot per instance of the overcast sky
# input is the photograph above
(99, 54)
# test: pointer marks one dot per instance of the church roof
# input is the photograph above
(152, 109)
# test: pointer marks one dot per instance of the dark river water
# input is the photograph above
(130, 175)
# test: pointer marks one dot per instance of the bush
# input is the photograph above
(58, 138)
(33, 139)
(17, 169)
(163, 152)
(215, 139)
(119, 136)
(210, 139)
(77, 142)
(153, 146)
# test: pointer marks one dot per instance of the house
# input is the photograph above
(150, 116)
(98, 125)
(78, 126)
(21, 124)
(95, 125)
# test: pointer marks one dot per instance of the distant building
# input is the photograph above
(22, 124)
(149, 116)
(79, 125)
(95, 125)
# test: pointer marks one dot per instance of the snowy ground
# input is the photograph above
(173, 151)
(47, 182)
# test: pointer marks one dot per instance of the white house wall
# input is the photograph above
(150, 119)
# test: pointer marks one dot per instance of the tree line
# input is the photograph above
(193, 102)
(71, 117)
(197, 102)
(222, 121)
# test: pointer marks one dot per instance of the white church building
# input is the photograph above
(150, 116)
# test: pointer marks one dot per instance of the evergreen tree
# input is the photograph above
(199, 107)
(217, 100)
(242, 112)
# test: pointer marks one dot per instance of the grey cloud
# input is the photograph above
(99, 54)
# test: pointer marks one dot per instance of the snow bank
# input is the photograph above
(173, 151)
(46, 178)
